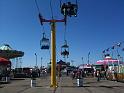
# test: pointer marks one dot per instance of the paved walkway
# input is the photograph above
(66, 85)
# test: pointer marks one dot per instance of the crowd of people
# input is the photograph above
(79, 73)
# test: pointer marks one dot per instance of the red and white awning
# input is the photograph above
(85, 66)
(107, 60)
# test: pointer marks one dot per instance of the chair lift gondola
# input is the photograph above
(44, 42)
(69, 9)
(65, 50)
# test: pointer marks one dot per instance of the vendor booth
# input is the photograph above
(5, 67)
(114, 68)
(6, 54)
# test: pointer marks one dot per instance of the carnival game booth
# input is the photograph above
(121, 74)
(61, 66)
(5, 67)
(113, 68)
(87, 69)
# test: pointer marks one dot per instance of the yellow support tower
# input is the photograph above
(53, 55)
(53, 48)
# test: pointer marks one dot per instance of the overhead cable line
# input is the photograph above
(44, 42)
(40, 15)
(37, 6)
(51, 8)
(65, 33)
(60, 2)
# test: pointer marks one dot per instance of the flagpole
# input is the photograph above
(88, 57)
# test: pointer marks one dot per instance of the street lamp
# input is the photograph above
(41, 62)
(88, 57)
(121, 58)
(36, 59)
(82, 60)
(72, 62)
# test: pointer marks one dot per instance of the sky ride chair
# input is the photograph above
(44, 42)
(65, 50)
(69, 9)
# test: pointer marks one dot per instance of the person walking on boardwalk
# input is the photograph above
(98, 75)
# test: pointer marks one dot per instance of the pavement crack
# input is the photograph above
(21, 91)
(89, 91)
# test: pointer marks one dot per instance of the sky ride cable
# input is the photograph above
(40, 17)
(37, 6)
(51, 8)
(60, 3)
(65, 33)
(65, 40)
(39, 13)
(65, 28)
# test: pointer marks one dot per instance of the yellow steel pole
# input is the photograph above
(53, 55)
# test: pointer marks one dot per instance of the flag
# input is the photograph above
(89, 53)
(107, 49)
(113, 47)
(119, 44)
(103, 51)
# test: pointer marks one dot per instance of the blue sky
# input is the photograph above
(99, 25)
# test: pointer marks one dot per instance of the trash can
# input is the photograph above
(7, 79)
(33, 82)
(80, 82)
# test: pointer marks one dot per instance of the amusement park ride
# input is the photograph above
(7, 52)
(68, 9)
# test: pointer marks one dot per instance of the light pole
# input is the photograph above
(88, 57)
(121, 58)
(72, 62)
(82, 61)
(36, 59)
(41, 62)
(118, 57)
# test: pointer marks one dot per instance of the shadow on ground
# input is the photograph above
(92, 86)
